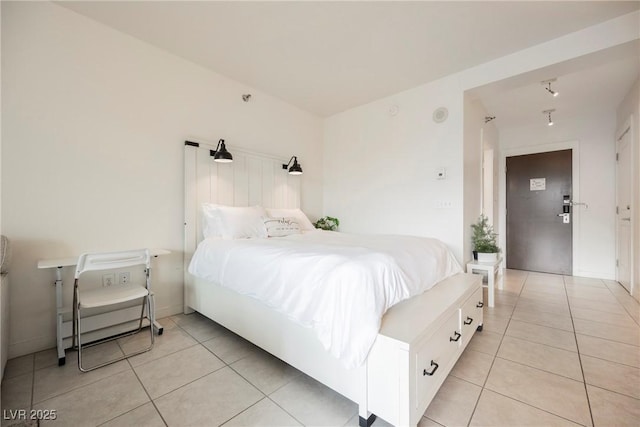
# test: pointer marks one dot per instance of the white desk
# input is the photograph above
(94, 323)
(492, 269)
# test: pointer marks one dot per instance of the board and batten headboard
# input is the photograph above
(251, 179)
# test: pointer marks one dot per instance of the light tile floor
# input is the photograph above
(554, 351)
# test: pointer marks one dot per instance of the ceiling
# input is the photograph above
(326, 57)
(590, 84)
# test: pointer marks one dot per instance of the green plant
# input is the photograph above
(484, 239)
(327, 223)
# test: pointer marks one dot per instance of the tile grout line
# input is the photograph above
(495, 356)
(151, 400)
(228, 365)
(528, 404)
(584, 380)
(623, 305)
(541, 343)
(148, 395)
(265, 395)
(538, 369)
(73, 388)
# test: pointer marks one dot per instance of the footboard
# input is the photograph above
(419, 342)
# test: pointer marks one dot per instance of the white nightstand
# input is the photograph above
(492, 269)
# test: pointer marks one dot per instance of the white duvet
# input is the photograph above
(336, 283)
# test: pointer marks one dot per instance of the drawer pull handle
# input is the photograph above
(456, 335)
(433, 371)
(480, 304)
(468, 321)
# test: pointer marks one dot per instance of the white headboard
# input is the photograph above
(251, 179)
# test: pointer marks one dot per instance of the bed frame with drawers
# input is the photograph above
(419, 341)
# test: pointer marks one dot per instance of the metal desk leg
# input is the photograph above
(61, 354)
(157, 326)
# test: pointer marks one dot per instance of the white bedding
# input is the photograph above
(337, 283)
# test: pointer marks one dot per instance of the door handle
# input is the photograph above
(565, 217)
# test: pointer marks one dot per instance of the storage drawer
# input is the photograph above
(471, 315)
(434, 355)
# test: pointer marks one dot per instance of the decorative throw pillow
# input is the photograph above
(280, 227)
(295, 213)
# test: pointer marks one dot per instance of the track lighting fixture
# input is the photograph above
(548, 114)
(295, 168)
(221, 155)
(487, 119)
(246, 97)
(547, 83)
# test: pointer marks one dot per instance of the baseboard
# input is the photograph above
(595, 275)
(169, 311)
(17, 349)
(33, 345)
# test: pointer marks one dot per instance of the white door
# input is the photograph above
(623, 208)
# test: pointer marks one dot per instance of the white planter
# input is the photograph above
(490, 257)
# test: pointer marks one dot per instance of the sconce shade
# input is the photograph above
(221, 154)
(295, 168)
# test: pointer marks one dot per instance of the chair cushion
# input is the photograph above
(111, 295)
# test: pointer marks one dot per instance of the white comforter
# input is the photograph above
(339, 284)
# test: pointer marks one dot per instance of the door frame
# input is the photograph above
(628, 124)
(575, 192)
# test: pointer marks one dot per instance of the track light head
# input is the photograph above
(547, 84)
(548, 114)
(487, 119)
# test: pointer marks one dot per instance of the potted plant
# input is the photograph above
(327, 223)
(484, 240)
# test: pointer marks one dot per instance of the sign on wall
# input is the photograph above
(537, 184)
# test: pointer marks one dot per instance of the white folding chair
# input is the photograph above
(111, 295)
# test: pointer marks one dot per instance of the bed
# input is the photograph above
(402, 363)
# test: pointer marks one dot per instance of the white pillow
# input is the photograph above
(233, 222)
(211, 226)
(280, 227)
(296, 213)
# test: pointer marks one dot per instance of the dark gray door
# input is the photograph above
(539, 218)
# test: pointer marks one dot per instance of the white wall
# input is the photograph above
(594, 245)
(631, 106)
(478, 136)
(379, 169)
(94, 123)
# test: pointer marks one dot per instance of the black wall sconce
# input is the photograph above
(295, 168)
(220, 154)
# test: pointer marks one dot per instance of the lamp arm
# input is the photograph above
(289, 164)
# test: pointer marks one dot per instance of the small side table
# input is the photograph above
(492, 269)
